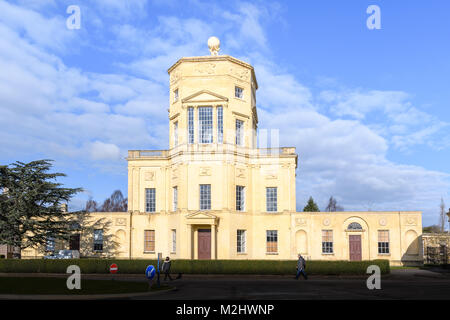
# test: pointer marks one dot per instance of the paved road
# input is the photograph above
(401, 284)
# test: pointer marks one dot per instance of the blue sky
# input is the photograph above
(366, 109)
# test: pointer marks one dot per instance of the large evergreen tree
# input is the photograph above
(30, 204)
(311, 206)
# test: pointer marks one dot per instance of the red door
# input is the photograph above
(355, 247)
(204, 243)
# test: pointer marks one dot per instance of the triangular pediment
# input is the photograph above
(201, 215)
(204, 96)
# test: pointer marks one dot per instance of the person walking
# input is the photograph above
(166, 268)
(301, 265)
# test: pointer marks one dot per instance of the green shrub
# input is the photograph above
(262, 267)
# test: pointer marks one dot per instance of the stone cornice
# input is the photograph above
(215, 58)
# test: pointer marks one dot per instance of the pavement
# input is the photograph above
(403, 284)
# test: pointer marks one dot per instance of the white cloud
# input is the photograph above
(104, 151)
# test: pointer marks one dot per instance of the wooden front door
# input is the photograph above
(74, 242)
(355, 247)
(204, 243)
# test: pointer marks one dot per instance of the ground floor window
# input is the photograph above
(271, 241)
(174, 240)
(149, 240)
(327, 241)
(241, 239)
(383, 241)
(98, 240)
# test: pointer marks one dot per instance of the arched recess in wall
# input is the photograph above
(121, 240)
(301, 241)
(412, 242)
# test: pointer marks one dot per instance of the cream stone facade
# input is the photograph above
(215, 195)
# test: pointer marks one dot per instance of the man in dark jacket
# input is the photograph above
(301, 265)
(166, 269)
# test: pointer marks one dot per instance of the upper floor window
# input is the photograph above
(175, 133)
(238, 92)
(327, 241)
(205, 197)
(98, 240)
(150, 200)
(271, 199)
(271, 241)
(383, 241)
(205, 123)
(190, 125)
(240, 198)
(239, 132)
(175, 95)
(219, 124)
(241, 241)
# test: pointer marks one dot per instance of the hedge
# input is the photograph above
(261, 267)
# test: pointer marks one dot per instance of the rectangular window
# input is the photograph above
(271, 199)
(327, 241)
(149, 240)
(174, 240)
(219, 124)
(98, 240)
(190, 125)
(50, 245)
(271, 241)
(239, 132)
(150, 200)
(175, 95)
(240, 198)
(241, 239)
(238, 92)
(383, 241)
(205, 124)
(175, 133)
(175, 198)
(205, 197)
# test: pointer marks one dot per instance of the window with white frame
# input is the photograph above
(205, 197)
(238, 92)
(271, 199)
(271, 241)
(220, 124)
(175, 198)
(239, 132)
(150, 200)
(241, 241)
(175, 95)
(205, 124)
(327, 241)
(383, 241)
(175, 133)
(190, 125)
(98, 240)
(240, 198)
(174, 240)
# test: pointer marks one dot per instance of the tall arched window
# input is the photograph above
(354, 226)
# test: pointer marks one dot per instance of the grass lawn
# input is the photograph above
(31, 285)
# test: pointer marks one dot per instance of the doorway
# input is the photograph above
(204, 244)
(355, 247)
